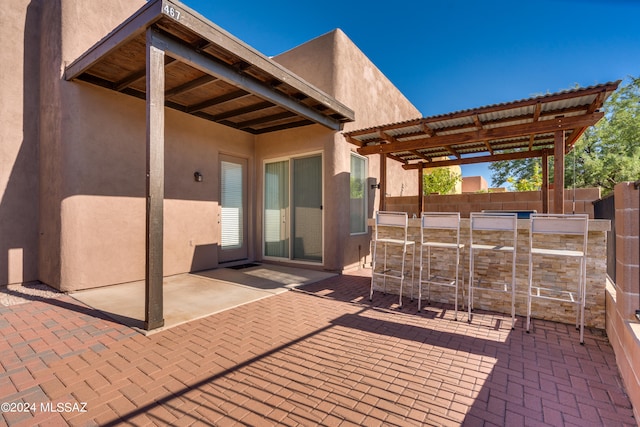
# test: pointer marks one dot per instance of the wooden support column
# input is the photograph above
(420, 187)
(558, 172)
(383, 181)
(154, 315)
(545, 181)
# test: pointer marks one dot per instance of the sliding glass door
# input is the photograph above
(276, 209)
(293, 209)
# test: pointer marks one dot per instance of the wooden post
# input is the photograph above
(383, 181)
(154, 315)
(420, 187)
(558, 172)
(545, 181)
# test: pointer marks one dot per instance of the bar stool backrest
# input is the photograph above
(573, 224)
(494, 221)
(446, 220)
(449, 222)
(392, 219)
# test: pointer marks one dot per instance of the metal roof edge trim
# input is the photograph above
(478, 110)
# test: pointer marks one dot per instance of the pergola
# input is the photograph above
(172, 57)
(540, 126)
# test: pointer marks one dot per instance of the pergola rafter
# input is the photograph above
(534, 127)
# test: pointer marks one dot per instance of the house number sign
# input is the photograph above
(172, 12)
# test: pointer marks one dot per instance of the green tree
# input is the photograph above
(606, 154)
(609, 152)
(441, 181)
(533, 183)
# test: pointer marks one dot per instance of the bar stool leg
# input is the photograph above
(471, 273)
(513, 289)
(455, 306)
(373, 269)
(413, 269)
(404, 253)
(420, 280)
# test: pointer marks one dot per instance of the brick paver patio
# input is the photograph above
(321, 355)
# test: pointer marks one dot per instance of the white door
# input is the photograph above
(233, 209)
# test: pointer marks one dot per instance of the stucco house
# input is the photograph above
(125, 116)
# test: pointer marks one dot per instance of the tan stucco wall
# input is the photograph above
(19, 75)
(94, 169)
(103, 209)
(336, 65)
(73, 156)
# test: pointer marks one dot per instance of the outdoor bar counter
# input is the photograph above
(496, 268)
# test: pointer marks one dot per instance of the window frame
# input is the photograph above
(365, 193)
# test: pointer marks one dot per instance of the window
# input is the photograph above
(358, 195)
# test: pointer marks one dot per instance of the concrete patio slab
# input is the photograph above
(195, 295)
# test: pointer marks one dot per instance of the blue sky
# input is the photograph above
(451, 55)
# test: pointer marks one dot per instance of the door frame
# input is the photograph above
(290, 159)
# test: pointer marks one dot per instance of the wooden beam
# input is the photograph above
(353, 140)
(476, 121)
(489, 148)
(573, 138)
(426, 129)
(261, 120)
(512, 131)
(537, 110)
(420, 188)
(191, 85)
(154, 316)
(452, 151)
(558, 172)
(232, 76)
(213, 33)
(472, 160)
(419, 154)
(138, 76)
(241, 111)
(218, 100)
(397, 158)
(387, 138)
(383, 182)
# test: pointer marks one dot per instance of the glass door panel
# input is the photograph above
(276, 209)
(293, 209)
(307, 208)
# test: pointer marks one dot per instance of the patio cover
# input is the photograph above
(170, 56)
(208, 73)
(535, 127)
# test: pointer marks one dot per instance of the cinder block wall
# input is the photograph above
(623, 297)
(512, 200)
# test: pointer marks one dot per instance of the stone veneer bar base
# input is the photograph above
(554, 272)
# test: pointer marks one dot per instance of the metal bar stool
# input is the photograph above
(391, 221)
(502, 238)
(573, 229)
(440, 231)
